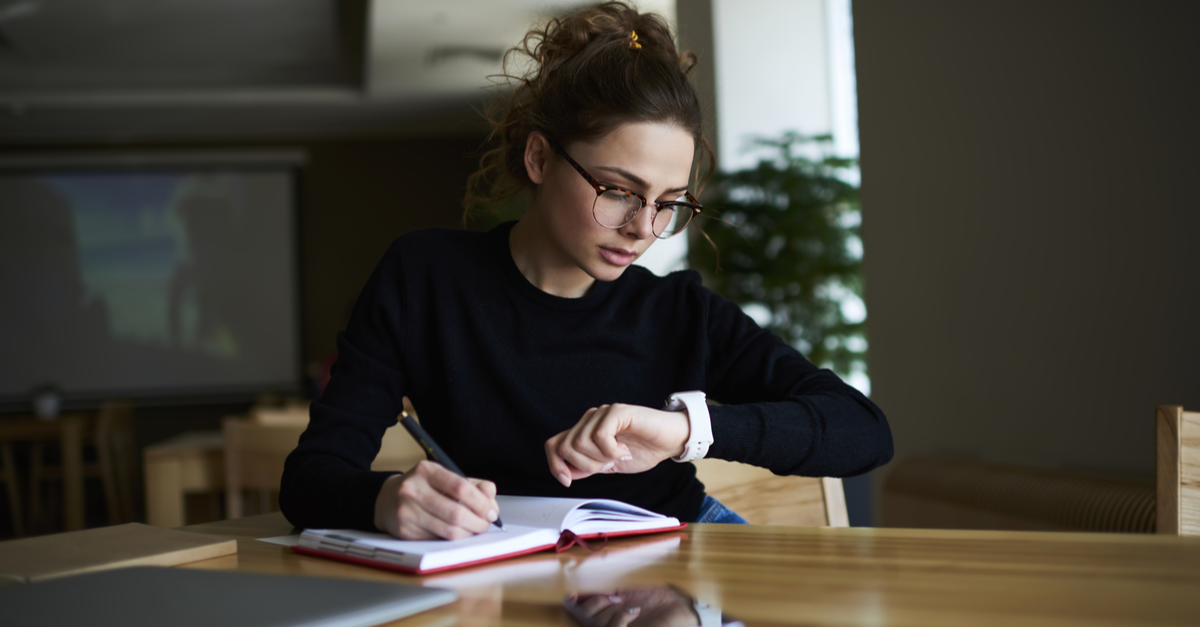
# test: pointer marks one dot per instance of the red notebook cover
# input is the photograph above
(495, 558)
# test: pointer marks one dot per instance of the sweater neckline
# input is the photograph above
(598, 294)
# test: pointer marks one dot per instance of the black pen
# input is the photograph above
(435, 452)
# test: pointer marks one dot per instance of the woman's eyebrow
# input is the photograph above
(637, 179)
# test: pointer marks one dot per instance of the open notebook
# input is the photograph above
(531, 524)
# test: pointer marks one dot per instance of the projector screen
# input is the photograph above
(155, 283)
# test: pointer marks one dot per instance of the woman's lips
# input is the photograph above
(618, 256)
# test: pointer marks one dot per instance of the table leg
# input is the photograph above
(72, 461)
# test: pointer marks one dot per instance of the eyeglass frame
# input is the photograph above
(600, 188)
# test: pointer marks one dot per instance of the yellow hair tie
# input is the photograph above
(633, 42)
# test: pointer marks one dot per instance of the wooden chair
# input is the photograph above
(256, 447)
(764, 498)
(110, 434)
(12, 485)
(1177, 470)
(116, 458)
(254, 456)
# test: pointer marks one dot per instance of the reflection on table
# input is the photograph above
(808, 576)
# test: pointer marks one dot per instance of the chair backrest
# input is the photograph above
(764, 498)
(255, 452)
(117, 458)
(399, 451)
(254, 456)
(1177, 470)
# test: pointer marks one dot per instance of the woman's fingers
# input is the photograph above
(608, 611)
(487, 487)
(580, 449)
(435, 525)
(558, 467)
(604, 433)
(616, 615)
(432, 502)
(590, 446)
(579, 441)
(616, 438)
(595, 604)
(596, 436)
(462, 503)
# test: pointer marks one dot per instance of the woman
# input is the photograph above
(539, 357)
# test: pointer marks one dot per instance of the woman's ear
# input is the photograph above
(537, 156)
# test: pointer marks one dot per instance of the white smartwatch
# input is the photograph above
(709, 615)
(700, 436)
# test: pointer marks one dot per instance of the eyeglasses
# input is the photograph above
(616, 206)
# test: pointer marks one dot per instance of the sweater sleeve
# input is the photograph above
(327, 480)
(778, 410)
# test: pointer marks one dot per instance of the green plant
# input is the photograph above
(788, 248)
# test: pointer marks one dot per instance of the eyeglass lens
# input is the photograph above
(615, 208)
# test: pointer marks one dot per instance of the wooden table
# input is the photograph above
(68, 430)
(809, 576)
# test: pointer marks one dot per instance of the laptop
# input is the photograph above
(148, 596)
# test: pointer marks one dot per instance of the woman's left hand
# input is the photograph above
(616, 439)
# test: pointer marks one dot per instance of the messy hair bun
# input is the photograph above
(590, 72)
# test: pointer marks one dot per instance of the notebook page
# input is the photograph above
(535, 511)
(556, 513)
(428, 553)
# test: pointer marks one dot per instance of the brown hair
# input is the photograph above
(592, 71)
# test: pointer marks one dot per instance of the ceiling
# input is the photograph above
(120, 71)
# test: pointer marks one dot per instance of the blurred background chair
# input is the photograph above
(12, 486)
(1177, 470)
(244, 462)
(764, 498)
(256, 446)
(116, 460)
(107, 454)
(254, 457)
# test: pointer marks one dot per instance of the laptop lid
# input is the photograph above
(148, 596)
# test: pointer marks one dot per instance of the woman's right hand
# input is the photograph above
(431, 503)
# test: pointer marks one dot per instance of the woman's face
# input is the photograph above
(653, 159)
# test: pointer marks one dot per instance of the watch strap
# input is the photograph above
(700, 436)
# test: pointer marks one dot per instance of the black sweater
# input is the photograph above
(496, 366)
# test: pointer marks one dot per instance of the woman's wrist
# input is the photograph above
(384, 501)
(680, 429)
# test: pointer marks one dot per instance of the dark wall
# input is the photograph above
(356, 198)
(1030, 221)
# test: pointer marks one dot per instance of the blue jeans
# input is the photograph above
(712, 511)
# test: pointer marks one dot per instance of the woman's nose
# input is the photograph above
(642, 225)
